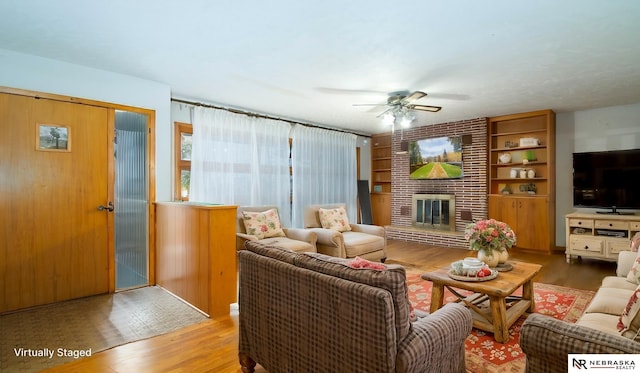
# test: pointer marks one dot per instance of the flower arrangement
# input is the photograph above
(489, 235)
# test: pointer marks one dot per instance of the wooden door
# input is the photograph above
(54, 241)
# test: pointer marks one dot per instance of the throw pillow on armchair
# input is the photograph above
(335, 219)
(263, 224)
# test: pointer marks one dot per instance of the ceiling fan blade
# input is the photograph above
(413, 96)
(432, 109)
(384, 112)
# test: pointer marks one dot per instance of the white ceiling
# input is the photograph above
(310, 61)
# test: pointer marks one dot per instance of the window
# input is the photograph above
(182, 148)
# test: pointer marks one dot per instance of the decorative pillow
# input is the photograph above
(335, 219)
(262, 224)
(635, 242)
(360, 263)
(634, 274)
(629, 321)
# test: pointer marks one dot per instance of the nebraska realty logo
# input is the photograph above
(603, 362)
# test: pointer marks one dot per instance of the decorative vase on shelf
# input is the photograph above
(523, 173)
(489, 257)
(505, 158)
(531, 173)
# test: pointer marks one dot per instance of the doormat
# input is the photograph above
(482, 352)
(43, 337)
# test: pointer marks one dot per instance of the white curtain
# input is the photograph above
(241, 160)
(324, 170)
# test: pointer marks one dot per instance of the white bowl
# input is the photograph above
(473, 263)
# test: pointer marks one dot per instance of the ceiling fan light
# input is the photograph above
(388, 119)
(406, 121)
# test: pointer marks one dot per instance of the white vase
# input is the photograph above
(489, 257)
(503, 256)
(505, 158)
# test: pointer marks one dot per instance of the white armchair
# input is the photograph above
(294, 239)
(362, 240)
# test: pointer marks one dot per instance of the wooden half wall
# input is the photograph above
(196, 254)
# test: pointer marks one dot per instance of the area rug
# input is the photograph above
(483, 353)
(43, 337)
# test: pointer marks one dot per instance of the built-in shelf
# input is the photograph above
(518, 165)
(518, 148)
(519, 132)
(527, 204)
(520, 180)
(381, 179)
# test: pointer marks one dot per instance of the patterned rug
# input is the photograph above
(47, 336)
(483, 353)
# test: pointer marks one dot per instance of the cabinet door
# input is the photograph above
(504, 209)
(527, 216)
(381, 208)
(495, 207)
(533, 223)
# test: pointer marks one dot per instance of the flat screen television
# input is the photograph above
(607, 180)
(435, 158)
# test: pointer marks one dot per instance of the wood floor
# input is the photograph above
(211, 346)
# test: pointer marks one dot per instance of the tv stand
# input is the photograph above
(599, 237)
(614, 211)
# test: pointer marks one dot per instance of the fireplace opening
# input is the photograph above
(434, 211)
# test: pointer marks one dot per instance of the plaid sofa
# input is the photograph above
(308, 312)
(547, 341)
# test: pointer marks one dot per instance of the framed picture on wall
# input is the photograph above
(52, 137)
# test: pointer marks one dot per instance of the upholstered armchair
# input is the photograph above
(263, 223)
(339, 238)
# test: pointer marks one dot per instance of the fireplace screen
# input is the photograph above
(434, 211)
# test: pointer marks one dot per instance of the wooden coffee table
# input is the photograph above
(503, 308)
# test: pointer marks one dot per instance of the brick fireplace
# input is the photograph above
(470, 191)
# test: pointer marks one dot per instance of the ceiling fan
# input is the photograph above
(400, 104)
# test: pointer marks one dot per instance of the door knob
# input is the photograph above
(108, 208)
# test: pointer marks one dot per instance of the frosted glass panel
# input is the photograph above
(131, 209)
